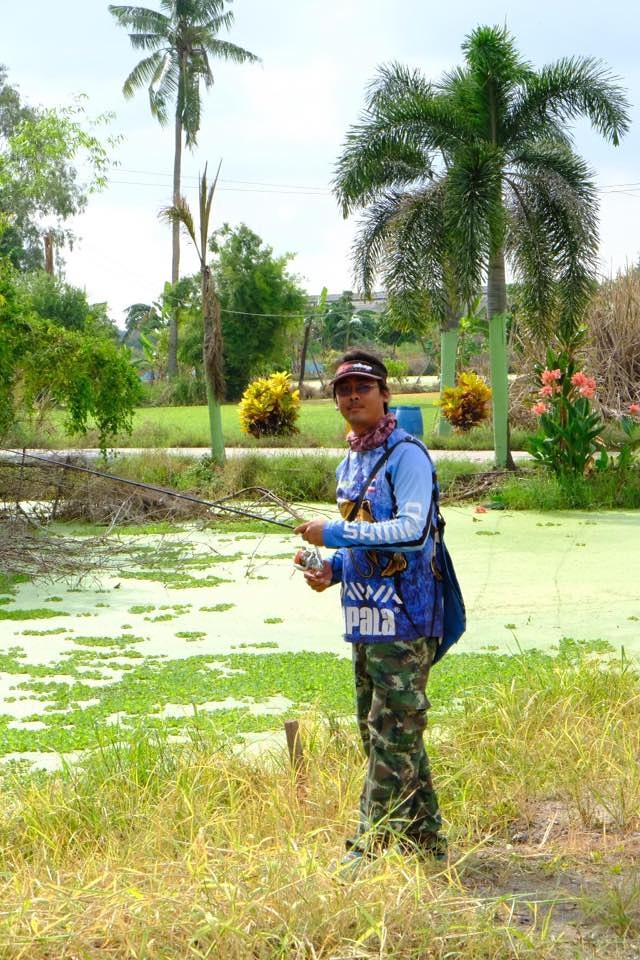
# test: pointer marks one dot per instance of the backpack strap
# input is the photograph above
(435, 495)
(353, 513)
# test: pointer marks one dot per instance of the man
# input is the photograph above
(392, 606)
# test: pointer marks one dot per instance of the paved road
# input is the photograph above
(477, 456)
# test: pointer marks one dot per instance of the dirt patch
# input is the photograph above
(582, 886)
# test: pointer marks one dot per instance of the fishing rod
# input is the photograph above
(210, 504)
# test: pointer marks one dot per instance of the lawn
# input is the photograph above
(319, 426)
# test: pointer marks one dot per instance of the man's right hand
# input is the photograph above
(319, 580)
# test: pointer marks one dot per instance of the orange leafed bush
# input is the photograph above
(467, 404)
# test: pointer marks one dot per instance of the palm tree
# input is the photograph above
(180, 214)
(183, 36)
(460, 177)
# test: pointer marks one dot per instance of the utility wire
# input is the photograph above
(263, 183)
(290, 193)
(252, 183)
(296, 189)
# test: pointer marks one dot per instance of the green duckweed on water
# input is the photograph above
(75, 714)
(178, 581)
(147, 677)
(41, 613)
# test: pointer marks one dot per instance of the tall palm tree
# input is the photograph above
(179, 213)
(459, 177)
(183, 36)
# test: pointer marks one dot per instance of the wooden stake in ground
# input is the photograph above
(294, 744)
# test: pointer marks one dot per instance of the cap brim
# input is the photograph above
(356, 373)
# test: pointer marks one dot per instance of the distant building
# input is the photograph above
(377, 303)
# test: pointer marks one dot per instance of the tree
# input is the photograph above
(40, 187)
(84, 372)
(183, 38)
(262, 305)
(212, 333)
(459, 177)
(64, 305)
(314, 312)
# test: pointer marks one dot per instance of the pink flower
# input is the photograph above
(586, 385)
(634, 409)
(550, 376)
(546, 391)
(539, 408)
(587, 391)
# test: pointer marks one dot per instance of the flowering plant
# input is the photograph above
(569, 440)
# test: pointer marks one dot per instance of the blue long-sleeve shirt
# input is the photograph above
(380, 601)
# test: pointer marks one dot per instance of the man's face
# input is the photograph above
(361, 402)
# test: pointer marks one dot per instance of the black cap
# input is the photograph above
(360, 368)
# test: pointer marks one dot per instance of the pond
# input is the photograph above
(209, 626)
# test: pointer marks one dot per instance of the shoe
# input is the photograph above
(436, 849)
(350, 867)
(432, 847)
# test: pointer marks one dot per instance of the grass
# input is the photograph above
(152, 849)
(312, 479)
(319, 426)
(534, 488)
(296, 479)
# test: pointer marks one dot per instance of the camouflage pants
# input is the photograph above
(398, 795)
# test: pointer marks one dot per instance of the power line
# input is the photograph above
(310, 187)
(254, 183)
(290, 193)
(610, 191)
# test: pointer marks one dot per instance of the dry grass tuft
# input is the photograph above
(153, 850)
(613, 350)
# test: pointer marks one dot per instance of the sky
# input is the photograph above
(278, 126)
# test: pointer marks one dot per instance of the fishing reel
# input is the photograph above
(308, 558)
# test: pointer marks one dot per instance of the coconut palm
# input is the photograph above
(179, 213)
(460, 177)
(183, 38)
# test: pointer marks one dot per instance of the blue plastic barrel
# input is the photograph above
(410, 418)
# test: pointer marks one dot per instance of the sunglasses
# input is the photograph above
(362, 389)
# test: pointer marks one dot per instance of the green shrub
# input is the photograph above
(397, 369)
(185, 390)
(467, 404)
(269, 407)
